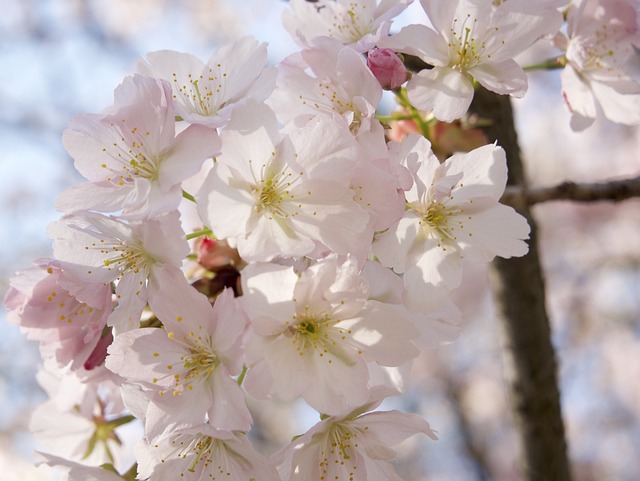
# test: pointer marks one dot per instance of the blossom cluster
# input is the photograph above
(248, 231)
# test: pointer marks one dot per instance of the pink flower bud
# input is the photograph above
(216, 254)
(387, 68)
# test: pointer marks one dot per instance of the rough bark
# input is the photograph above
(518, 287)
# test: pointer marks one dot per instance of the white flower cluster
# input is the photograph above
(324, 253)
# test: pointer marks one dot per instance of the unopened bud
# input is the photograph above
(215, 254)
(387, 68)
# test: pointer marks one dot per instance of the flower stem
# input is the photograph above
(206, 231)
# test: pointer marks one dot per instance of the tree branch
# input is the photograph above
(519, 294)
(612, 190)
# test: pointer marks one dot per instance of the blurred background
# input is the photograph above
(59, 58)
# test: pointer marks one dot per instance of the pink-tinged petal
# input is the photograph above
(484, 172)
(289, 369)
(186, 155)
(225, 208)
(356, 78)
(228, 409)
(272, 237)
(506, 77)
(420, 41)
(577, 93)
(446, 91)
(385, 334)
(164, 239)
(393, 427)
(494, 230)
(325, 151)
(231, 322)
(441, 13)
(384, 285)
(178, 305)
(169, 412)
(520, 23)
(101, 196)
(393, 247)
(268, 290)
(141, 355)
(335, 387)
(617, 107)
(131, 295)
(436, 266)
(258, 380)
(250, 138)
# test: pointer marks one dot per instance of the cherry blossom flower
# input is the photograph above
(314, 335)
(131, 155)
(358, 24)
(341, 84)
(186, 367)
(276, 195)
(94, 248)
(67, 330)
(452, 213)
(471, 39)
(207, 93)
(603, 71)
(202, 452)
(351, 447)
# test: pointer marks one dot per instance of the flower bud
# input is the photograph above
(387, 68)
(216, 254)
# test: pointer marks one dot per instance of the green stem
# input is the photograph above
(188, 196)
(414, 113)
(206, 231)
(549, 64)
(391, 118)
(242, 375)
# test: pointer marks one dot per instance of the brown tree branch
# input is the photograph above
(519, 294)
(612, 190)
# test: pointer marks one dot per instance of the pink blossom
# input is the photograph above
(185, 368)
(95, 249)
(206, 94)
(131, 156)
(355, 446)
(314, 335)
(68, 330)
(601, 77)
(452, 213)
(356, 24)
(471, 39)
(202, 452)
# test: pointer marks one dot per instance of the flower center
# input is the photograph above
(466, 51)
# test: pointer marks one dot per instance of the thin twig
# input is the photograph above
(612, 190)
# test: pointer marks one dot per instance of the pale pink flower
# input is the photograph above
(452, 213)
(387, 68)
(134, 161)
(273, 195)
(354, 447)
(356, 24)
(186, 367)
(314, 335)
(326, 78)
(95, 249)
(602, 74)
(207, 93)
(471, 39)
(202, 452)
(67, 330)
